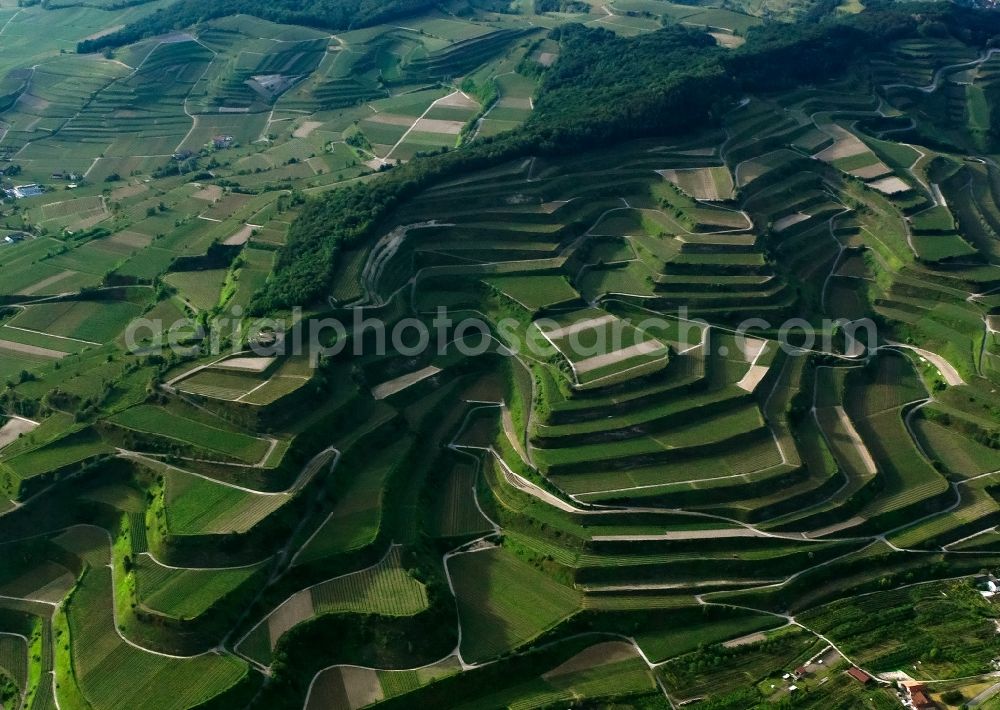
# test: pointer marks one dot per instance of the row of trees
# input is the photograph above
(327, 14)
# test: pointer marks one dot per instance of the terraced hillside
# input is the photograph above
(712, 418)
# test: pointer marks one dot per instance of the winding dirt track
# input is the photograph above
(947, 370)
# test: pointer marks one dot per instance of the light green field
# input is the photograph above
(185, 594)
(196, 506)
(155, 420)
(201, 288)
(113, 674)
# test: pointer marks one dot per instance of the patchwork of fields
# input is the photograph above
(642, 491)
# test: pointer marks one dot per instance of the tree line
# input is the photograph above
(325, 14)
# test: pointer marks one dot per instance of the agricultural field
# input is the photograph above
(504, 603)
(954, 638)
(198, 506)
(498, 354)
(110, 664)
(186, 593)
(385, 589)
(199, 434)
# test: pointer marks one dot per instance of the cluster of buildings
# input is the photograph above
(19, 192)
(218, 142)
(914, 693)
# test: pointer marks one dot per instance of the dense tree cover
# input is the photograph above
(328, 14)
(362, 639)
(561, 6)
(603, 89)
(606, 87)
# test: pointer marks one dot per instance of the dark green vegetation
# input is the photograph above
(327, 14)
(685, 515)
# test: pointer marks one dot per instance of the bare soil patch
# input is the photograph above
(598, 361)
(387, 389)
(247, 364)
(753, 377)
(241, 237)
(700, 183)
(526, 486)
(88, 222)
(209, 193)
(31, 350)
(13, 428)
(297, 609)
(744, 640)
(45, 283)
(724, 39)
(845, 147)
(856, 440)
(391, 119)
(457, 100)
(306, 129)
(752, 348)
(437, 125)
(789, 221)
(601, 654)
(890, 185)
(579, 327)
(361, 685)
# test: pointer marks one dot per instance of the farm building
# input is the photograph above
(920, 701)
(917, 693)
(15, 237)
(859, 675)
(220, 142)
